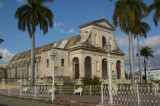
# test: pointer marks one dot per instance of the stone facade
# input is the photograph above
(79, 56)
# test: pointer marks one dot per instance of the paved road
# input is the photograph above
(11, 101)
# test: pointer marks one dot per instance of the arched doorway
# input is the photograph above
(87, 66)
(76, 68)
(103, 41)
(104, 69)
(118, 67)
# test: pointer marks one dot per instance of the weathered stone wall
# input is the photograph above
(96, 62)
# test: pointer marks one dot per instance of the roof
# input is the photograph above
(26, 54)
(96, 23)
(153, 69)
(63, 44)
(72, 41)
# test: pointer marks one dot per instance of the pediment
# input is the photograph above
(102, 23)
(105, 24)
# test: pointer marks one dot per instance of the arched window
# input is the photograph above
(88, 66)
(118, 67)
(76, 68)
(103, 41)
(104, 69)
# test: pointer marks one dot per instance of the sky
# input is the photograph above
(68, 16)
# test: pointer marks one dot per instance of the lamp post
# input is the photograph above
(108, 49)
(53, 88)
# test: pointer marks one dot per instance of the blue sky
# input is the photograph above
(68, 15)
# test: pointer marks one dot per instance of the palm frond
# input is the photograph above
(147, 52)
(155, 6)
(33, 14)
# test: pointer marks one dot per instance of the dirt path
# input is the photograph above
(12, 101)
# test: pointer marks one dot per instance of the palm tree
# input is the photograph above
(146, 52)
(29, 16)
(126, 14)
(155, 6)
(141, 30)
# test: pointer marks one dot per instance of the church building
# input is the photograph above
(79, 56)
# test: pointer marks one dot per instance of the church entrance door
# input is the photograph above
(76, 71)
(76, 68)
(104, 69)
(118, 67)
(88, 69)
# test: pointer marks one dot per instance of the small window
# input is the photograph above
(103, 41)
(96, 39)
(97, 66)
(86, 31)
(62, 62)
(47, 62)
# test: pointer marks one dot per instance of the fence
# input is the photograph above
(94, 90)
(142, 95)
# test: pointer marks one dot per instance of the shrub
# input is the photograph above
(91, 80)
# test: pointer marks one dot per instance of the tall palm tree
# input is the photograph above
(146, 52)
(155, 6)
(31, 15)
(141, 30)
(126, 14)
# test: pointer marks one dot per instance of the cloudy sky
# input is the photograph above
(68, 15)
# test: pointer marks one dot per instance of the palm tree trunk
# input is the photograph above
(145, 69)
(131, 58)
(32, 59)
(139, 60)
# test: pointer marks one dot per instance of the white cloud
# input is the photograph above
(56, 24)
(122, 41)
(7, 56)
(20, 0)
(70, 31)
(1, 4)
(153, 42)
(62, 31)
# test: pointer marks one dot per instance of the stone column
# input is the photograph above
(81, 65)
(95, 66)
(93, 63)
(71, 70)
(122, 70)
(100, 67)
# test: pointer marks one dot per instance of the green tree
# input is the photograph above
(126, 15)
(155, 6)
(91, 80)
(146, 52)
(31, 15)
(141, 31)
